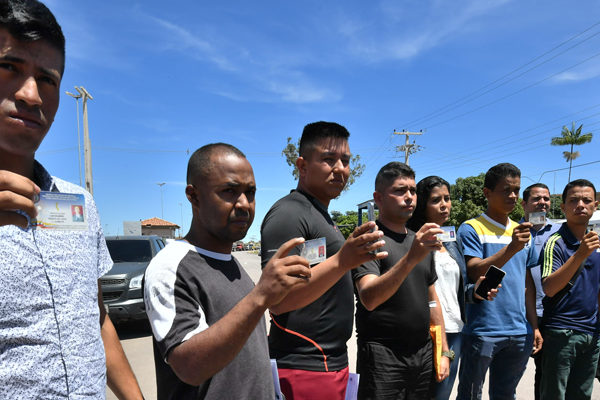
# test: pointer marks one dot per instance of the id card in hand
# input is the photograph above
(61, 211)
(537, 218)
(596, 228)
(315, 251)
(449, 234)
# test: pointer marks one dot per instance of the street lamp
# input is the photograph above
(181, 226)
(77, 97)
(161, 184)
(87, 147)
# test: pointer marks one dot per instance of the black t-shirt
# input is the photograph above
(186, 291)
(326, 322)
(402, 320)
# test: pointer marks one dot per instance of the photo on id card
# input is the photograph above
(315, 250)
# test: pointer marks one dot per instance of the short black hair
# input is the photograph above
(29, 21)
(316, 131)
(424, 189)
(200, 164)
(577, 182)
(499, 172)
(527, 191)
(389, 172)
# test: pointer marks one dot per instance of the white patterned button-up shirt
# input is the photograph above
(50, 342)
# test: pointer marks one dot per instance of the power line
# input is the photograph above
(451, 163)
(57, 151)
(512, 79)
(562, 118)
(444, 109)
(514, 93)
(387, 145)
(137, 150)
(521, 140)
(573, 166)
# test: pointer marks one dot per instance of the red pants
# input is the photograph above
(297, 384)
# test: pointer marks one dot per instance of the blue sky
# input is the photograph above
(168, 77)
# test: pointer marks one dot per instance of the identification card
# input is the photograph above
(537, 218)
(371, 216)
(449, 234)
(61, 211)
(314, 251)
(596, 228)
(371, 211)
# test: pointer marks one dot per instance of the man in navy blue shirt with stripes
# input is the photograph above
(571, 280)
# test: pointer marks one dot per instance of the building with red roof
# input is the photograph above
(160, 227)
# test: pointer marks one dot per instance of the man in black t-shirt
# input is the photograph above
(310, 342)
(393, 312)
(207, 316)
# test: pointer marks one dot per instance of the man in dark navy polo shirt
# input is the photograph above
(571, 279)
(536, 199)
(310, 342)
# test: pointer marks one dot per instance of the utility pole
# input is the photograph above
(407, 147)
(87, 146)
(161, 184)
(77, 97)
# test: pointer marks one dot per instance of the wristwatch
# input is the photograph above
(450, 354)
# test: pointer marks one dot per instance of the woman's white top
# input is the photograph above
(446, 287)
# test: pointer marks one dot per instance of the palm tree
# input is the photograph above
(571, 137)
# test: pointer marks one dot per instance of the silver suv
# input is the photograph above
(122, 285)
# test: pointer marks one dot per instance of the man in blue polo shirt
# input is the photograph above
(536, 199)
(497, 336)
(571, 279)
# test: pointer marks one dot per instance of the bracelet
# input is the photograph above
(450, 354)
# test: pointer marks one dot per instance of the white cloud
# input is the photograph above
(398, 31)
(300, 92)
(184, 40)
(86, 42)
(277, 77)
(270, 67)
(578, 76)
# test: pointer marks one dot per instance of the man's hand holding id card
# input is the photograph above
(537, 218)
(61, 211)
(596, 228)
(315, 251)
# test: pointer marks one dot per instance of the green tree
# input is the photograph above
(346, 222)
(518, 212)
(571, 137)
(555, 211)
(468, 200)
(290, 152)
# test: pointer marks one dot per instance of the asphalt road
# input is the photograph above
(137, 343)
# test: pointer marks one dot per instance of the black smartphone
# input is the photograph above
(492, 279)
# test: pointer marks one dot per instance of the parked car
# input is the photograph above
(122, 285)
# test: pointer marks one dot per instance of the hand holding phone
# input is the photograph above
(493, 277)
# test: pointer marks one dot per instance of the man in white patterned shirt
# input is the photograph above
(55, 338)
